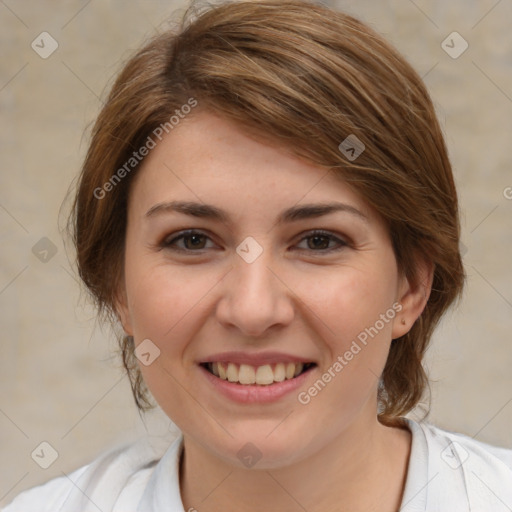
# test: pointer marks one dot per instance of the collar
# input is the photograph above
(446, 471)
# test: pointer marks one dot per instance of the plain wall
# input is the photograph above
(61, 380)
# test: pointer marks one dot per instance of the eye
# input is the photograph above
(193, 241)
(318, 241)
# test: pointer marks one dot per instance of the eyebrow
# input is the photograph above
(295, 213)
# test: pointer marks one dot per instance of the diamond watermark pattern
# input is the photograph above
(44, 45)
(147, 352)
(454, 45)
(352, 147)
(454, 455)
(44, 250)
(44, 455)
(249, 250)
(249, 455)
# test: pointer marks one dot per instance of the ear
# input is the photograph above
(413, 295)
(122, 310)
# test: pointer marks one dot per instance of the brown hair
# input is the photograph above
(306, 77)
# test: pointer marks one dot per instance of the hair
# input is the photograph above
(303, 76)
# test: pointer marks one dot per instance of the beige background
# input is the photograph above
(60, 381)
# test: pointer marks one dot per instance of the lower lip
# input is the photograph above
(249, 394)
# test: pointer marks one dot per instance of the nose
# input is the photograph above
(255, 298)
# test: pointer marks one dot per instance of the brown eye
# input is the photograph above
(195, 241)
(192, 241)
(319, 241)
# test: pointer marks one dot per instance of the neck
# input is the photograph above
(361, 469)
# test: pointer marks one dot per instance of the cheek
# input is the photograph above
(355, 318)
(161, 296)
(350, 300)
(165, 303)
(355, 323)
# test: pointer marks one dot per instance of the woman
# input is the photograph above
(268, 209)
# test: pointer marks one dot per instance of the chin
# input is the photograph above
(258, 450)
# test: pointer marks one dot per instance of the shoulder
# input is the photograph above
(452, 471)
(45, 497)
(465, 447)
(118, 475)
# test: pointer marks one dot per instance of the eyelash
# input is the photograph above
(167, 243)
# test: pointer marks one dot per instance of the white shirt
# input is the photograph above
(448, 472)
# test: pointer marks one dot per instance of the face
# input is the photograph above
(251, 278)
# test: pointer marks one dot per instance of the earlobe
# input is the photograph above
(413, 297)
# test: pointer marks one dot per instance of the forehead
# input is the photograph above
(207, 158)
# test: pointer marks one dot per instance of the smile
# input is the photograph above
(263, 375)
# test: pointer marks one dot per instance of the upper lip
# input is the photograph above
(254, 359)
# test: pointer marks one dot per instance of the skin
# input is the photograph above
(296, 297)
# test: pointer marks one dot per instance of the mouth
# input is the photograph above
(249, 375)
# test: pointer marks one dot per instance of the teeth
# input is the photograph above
(298, 368)
(279, 372)
(232, 373)
(262, 375)
(246, 374)
(290, 370)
